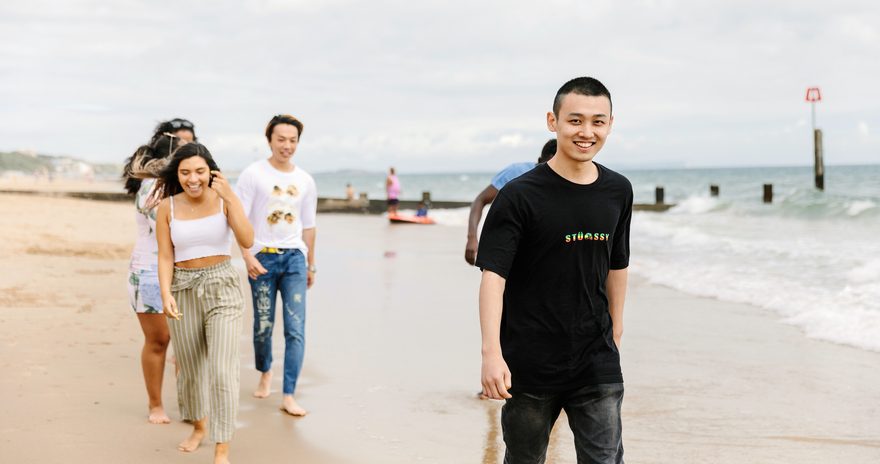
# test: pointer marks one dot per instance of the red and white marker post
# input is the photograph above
(815, 95)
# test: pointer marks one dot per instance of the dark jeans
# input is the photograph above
(593, 415)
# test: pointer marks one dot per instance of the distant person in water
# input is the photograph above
(422, 211)
(145, 299)
(488, 194)
(281, 200)
(392, 189)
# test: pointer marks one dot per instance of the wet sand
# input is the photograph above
(392, 361)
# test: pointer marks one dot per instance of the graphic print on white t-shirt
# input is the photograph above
(282, 207)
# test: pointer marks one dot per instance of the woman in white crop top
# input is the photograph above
(201, 292)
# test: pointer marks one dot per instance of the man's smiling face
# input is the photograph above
(582, 125)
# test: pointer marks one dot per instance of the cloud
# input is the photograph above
(87, 108)
(858, 29)
(511, 140)
(432, 84)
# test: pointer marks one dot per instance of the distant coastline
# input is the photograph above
(28, 162)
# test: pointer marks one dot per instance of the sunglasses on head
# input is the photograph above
(181, 124)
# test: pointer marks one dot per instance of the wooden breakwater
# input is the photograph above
(365, 205)
(361, 205)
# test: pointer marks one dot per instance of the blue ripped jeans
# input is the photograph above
(287, 275)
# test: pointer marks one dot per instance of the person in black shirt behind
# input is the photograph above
(554, 254)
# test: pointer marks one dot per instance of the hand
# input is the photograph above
(310, 279)
(495, 377)
(254, 268)
(169, 307)
(220, 185)
(470, 250)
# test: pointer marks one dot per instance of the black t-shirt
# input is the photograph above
(554, 242)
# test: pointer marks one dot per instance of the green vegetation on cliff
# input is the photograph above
(30, 163)
(16, 161)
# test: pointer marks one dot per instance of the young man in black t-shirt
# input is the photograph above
(554, 253)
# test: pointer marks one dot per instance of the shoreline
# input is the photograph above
(392, 360)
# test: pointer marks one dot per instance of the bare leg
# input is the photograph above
(156, 339)
(290, 406)
(200, 429)
(221, 453)
(265, 385)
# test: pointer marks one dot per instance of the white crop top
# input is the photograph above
(197, 238)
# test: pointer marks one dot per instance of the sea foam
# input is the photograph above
(820, 275)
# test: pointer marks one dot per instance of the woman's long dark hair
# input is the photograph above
(160, 147)
(168, 183)
(173, 125)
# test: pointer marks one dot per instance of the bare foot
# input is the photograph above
(158, 416)
(221, 453)
(289, 405)
(264, 387)
(195, 439)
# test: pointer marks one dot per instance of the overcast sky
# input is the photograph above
(440, 86)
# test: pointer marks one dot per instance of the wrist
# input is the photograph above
(312, 268)
(491, 351)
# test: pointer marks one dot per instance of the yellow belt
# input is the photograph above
(274, 251)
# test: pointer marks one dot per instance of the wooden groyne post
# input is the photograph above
(819, 169)
(768, 193)
(814, 95)
(658, 195)
(714, 190)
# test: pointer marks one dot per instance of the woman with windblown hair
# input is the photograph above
(139, 174)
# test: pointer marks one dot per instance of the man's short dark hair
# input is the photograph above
(582, 86)
(548, 151)
(283, 119)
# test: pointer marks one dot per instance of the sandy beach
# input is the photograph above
(33, 183)
(392, 360)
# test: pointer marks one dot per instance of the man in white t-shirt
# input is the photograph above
(280, 200)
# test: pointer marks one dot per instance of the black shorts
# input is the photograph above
(393, 201)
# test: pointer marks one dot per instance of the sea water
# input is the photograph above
(811, 257)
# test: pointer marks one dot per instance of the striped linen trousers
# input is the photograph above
(206, 343)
